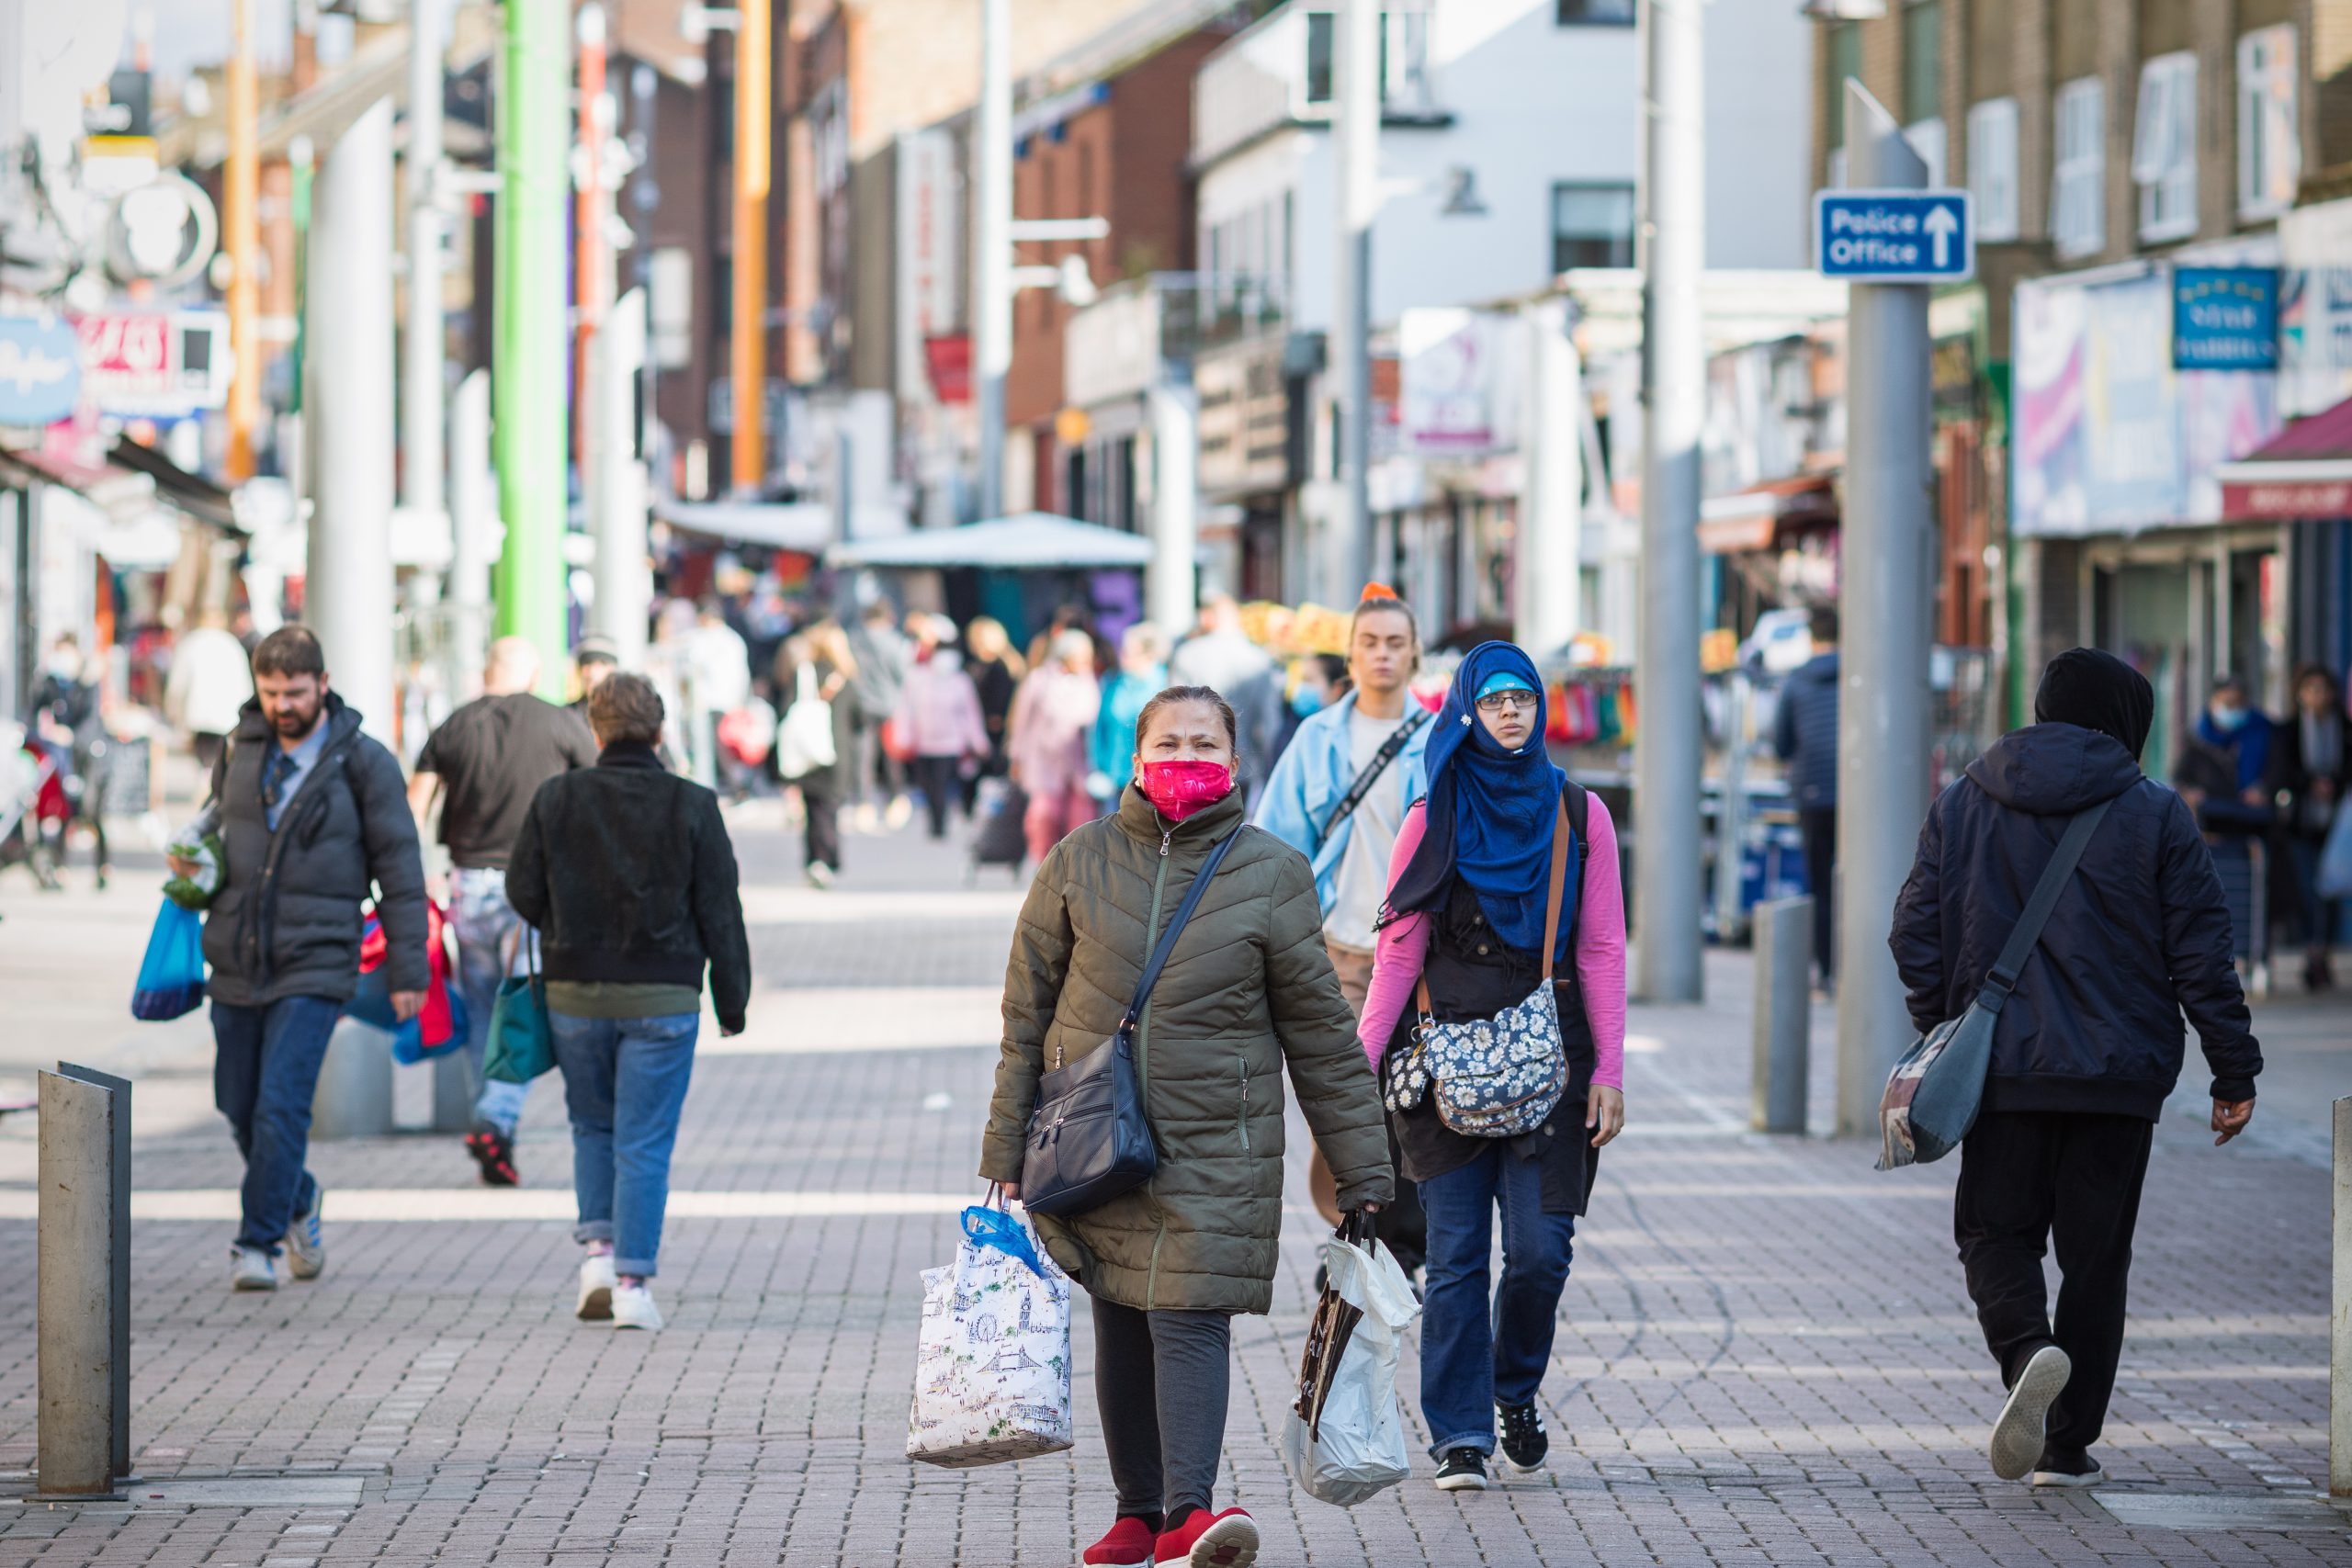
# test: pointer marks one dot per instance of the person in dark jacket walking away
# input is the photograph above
(1804, 734)
(2086, 1050)
(2315, 771)
(314, 817)
(627, 871)
(485, 763)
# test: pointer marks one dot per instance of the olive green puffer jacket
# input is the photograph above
(1248, 990)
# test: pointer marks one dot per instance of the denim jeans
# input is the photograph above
(264, 1071)
(1472, 1354)
(624, 1081)
(490, 946)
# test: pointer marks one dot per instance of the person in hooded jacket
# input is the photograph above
(2086, 1050)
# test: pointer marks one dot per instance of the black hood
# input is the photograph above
(2054, 770)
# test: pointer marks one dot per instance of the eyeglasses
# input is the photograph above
(1509, 702)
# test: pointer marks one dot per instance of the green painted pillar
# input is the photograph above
(530, 368)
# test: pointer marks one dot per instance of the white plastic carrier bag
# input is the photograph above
(1344, 1440)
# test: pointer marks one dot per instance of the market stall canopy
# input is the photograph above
(1033, 541)
(2304, 471)
(804, 526)
(1752, 519)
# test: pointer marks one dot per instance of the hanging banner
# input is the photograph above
(40, 370)
(1454, 396)
(2225, 317)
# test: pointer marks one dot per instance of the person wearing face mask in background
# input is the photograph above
(2224, 770)
(1248, 993)
(1143, 671)
(1317, 680)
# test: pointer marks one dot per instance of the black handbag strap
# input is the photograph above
(1397, 740)
(2027, 931)
(1176, 929)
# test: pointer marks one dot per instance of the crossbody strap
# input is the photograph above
(1175, 929)
(1389, 750)
(2027, 931)
(1562, 836)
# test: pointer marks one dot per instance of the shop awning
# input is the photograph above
(1034, 541)
(2303, 471)
(1752, 519)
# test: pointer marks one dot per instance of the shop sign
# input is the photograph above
(155, 365)
(1453, 393)
(930, 245)
(947, 360)
(2286, 501)
(2225, 317)
(40, 370)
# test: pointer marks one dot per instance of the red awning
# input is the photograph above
(1754, 518)
(2304, 471)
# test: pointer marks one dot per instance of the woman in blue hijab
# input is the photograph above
(1468, 903)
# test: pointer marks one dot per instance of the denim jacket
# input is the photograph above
(1314, 770)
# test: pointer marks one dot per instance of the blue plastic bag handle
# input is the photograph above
(986, 1225)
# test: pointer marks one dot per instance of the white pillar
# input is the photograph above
(1169, 595)
(1886, 601)
(421, 411)
(1667, 753)
(473, 529)
(347, 597)
(624, 575)
(1551, 524)
(992, 246)
(1355, 137)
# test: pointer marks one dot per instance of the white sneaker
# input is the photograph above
(2018, 1434)
(902, 812)
(306, 1243)
(633, 1307)
(251, 1269)
(596, 1282)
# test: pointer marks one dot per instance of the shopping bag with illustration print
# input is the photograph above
(992, 1366)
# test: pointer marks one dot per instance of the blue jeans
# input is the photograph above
(624, 1081)
(490, 946)
(1473, 1355)
(264, 1071)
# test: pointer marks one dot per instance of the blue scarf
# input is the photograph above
(1490, 812)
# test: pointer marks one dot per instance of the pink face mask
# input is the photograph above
(1179, 789)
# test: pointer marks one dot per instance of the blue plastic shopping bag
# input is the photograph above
(2336, 858)
(171, 978)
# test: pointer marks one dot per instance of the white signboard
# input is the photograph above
(1456, 392)
(931, 252)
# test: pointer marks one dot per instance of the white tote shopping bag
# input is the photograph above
(1351, 1444)
(992, 1371)
(804, 737)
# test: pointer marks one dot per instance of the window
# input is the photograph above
(1923, 61)
(1926, 139)
(2164, 147)
(2269, 145)
(2078, 185)
(1321, 41)
(1993, 167)
(1596, 13)
(1845, 60)
(1592, 225)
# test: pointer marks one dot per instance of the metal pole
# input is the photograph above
(119, 1265)
(473, 519)
(1355, 139)
(73, 1292)
(1667, 756)
(2339, 1361)
(1781, 1041)
(347, 599)
(624, 577)
(1170, 584)
(421, 411)
(747, 359)
(592, 257)
(992, 247)
(1551, 523)
(534, 129)
(1885, 604)
(241, 238)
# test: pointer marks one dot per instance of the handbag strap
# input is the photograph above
(1562, 836)
(1399, 738)
(2027, 931)
(1176, 929)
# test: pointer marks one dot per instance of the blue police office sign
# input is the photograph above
(1894, 236)
(2225, 317)
(40, 370)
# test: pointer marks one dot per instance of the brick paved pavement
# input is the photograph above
(1766, 1356)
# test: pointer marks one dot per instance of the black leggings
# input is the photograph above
(1161, 1381)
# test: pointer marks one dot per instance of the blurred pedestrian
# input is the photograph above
(628, 874)
(939, 713)
(483, 765)
(2314, 770)
(996, 671)
(2224, 770)
(1057, 707)
(1219, 655)
(1469, 909)
(69, 720)
(814, 670)
(2088, 1046)
(1247, 994)
(1143, 671)
(312, 816)
(1804, 734)
(1317, 680)
(212, 680)
(881, 657)
(594, 657)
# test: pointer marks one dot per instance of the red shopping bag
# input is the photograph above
(440, 1025)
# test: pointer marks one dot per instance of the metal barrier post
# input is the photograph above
(1783, 1016)
(2339, 1361)
(74, 1294)
(119, 1264)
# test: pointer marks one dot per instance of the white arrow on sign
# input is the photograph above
(1941, 226)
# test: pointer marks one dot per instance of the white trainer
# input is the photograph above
(596, 1282)
(2024, 1420)
(306, 1243)
(633, 1307)
(251, 1269)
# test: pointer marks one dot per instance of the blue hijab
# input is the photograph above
(1490, 812)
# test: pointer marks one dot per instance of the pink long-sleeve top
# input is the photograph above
(1600, 956)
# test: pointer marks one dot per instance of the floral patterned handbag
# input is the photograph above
(1499, 1077)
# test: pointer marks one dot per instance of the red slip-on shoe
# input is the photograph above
(1210, 1540)
(1128, 1546)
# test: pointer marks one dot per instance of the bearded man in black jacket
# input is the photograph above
(2086, 1050)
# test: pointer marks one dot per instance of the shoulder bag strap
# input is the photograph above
(1562, 836)
(1176, 929)
(1389, 750)
(2027, 931)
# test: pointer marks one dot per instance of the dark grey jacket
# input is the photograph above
(286, 922)
(1804, 731)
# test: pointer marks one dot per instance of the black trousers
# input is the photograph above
(1818, 824)
(937, 778)
(2029, 1180)
(820, 794)
(1161, 1383)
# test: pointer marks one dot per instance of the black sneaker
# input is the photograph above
(1525, 1440)
(493, 1149)
(1465, 1470)
(2056, 1469)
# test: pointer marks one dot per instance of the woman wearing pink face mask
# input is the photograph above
(1247, 994)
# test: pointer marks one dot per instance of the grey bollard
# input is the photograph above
(453, 1092)
(355, 1093)
(119, 1263)
(2339, 1381)
(1783, 1016)
(73, 1292)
